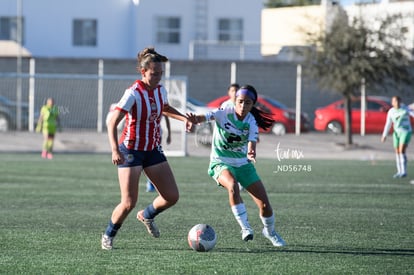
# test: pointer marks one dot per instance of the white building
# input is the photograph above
(120, 28)
(180, 29)
(283, 27)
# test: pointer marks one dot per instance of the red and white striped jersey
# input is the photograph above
(143, 112)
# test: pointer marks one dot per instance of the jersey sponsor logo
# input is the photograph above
(233, 138)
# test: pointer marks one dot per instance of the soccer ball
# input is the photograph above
(202, 237)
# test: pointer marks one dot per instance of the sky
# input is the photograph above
(346, 2)
(350, 2)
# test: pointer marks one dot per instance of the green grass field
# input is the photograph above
(337, 217)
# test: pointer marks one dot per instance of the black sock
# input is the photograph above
(112, 229)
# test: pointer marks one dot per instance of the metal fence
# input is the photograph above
(241, 51)
(83, 100)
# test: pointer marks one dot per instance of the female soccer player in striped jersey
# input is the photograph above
(399, 117)
(233, 154)
(139, 148)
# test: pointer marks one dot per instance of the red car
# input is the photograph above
(331, 118)
(283, 116)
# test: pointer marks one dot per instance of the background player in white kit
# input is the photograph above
(399, 117)
(231, 92)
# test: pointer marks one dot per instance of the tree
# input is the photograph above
(349, 52)
(290, 3)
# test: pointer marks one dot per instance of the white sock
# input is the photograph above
(240, 213)
(269, 223)
(398, 163)
(403, 163)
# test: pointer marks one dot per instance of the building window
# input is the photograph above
(8, 28)
(168, 30)
(85, 32)
(230, 30)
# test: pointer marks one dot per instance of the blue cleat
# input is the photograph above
(150, 187)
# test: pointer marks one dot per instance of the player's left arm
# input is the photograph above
(167, 123)
(58, 123)
(170, 111)
(253, 139)
(251, 151)
(410, 111)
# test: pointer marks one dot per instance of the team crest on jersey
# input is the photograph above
(153, 107)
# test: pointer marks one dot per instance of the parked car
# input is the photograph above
(8, 113)
(196, 106)
(331, 118)
(284, 117)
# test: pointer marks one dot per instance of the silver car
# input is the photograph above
(8, 114)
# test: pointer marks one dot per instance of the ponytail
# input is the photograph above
(263, 119)
(149, 55)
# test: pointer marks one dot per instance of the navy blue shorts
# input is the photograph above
(141, 158)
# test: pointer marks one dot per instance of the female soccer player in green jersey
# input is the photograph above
(399, 117)
(47, 124)
(233, 154)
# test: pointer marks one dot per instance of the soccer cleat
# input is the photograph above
(149, 224)
(150, 187)
(106, 242)
(241, 188)
(44, 154)
(274, 238)
(247, 234)
(49, 156)
(398, 176)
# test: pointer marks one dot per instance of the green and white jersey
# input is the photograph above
(400, 119)
(231, 136)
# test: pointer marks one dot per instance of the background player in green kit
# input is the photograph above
(399, 117)
(233, 154)
(47, 124)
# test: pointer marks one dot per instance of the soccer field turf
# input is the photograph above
(336, 217)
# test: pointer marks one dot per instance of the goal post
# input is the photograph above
(176, 87)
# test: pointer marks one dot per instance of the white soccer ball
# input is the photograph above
(202, 237)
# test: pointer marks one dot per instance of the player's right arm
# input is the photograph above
(112, 123)
(39, 125)
(200, 118)
(196, 119)
(387, 126)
